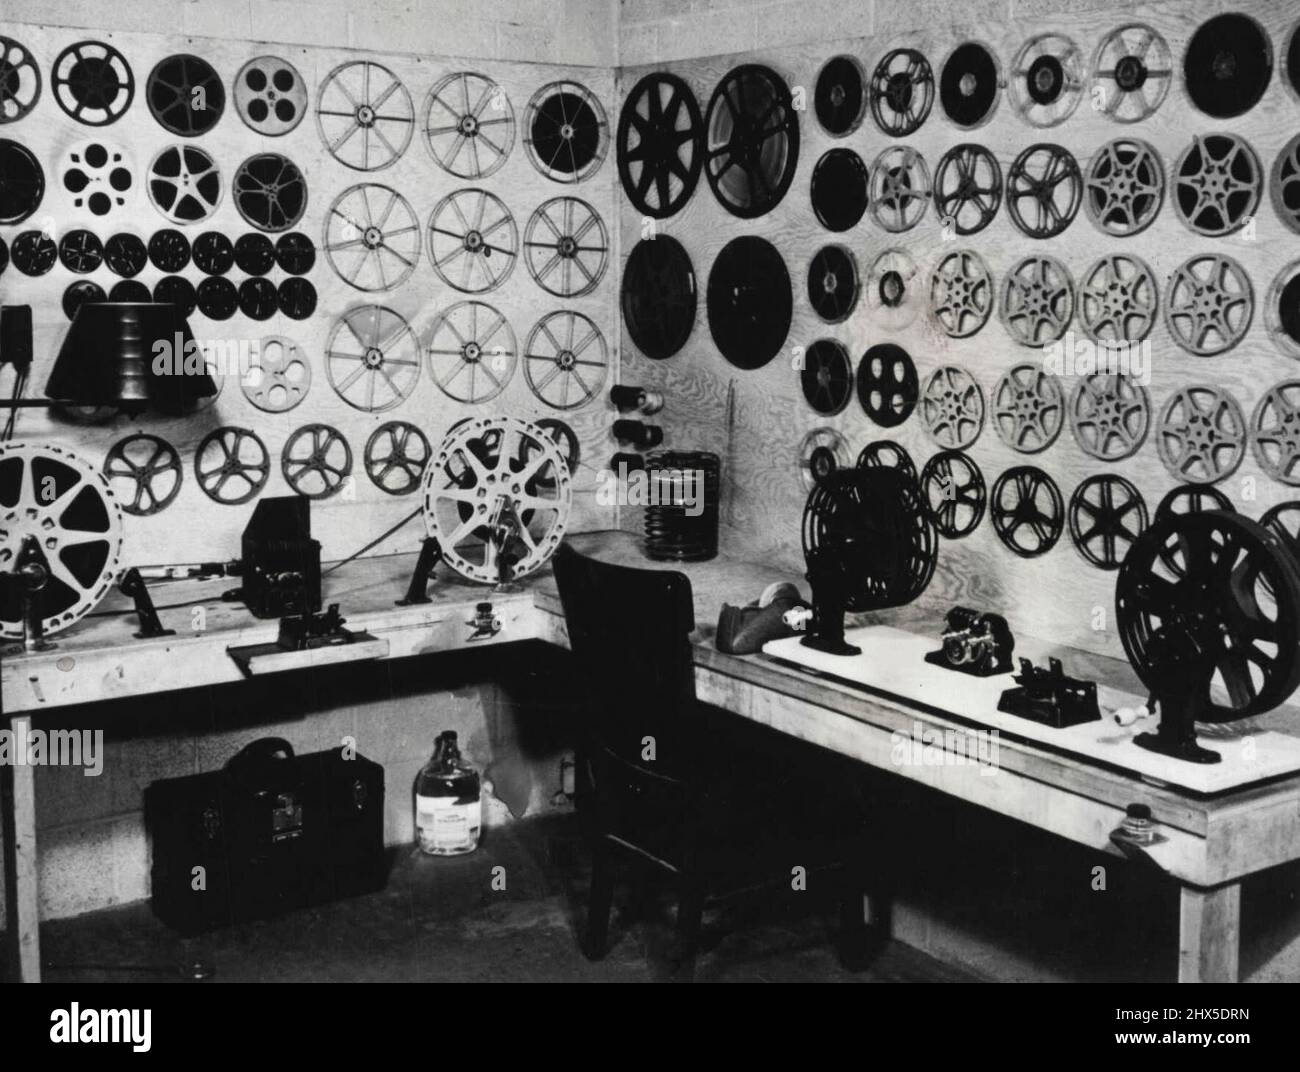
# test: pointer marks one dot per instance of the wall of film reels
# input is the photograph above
(1052, 270)
(377, 247)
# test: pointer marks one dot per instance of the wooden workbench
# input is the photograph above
(1210, 843)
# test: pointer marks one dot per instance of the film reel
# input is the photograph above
(473, 241)
(316, 461)
(97, 176)
(178, 291)
(1125, 187)
(270, 96)
(20, 80)
(33, 252)
(1132, 69)
(1201, 434)
(185, 95)
(217, 297)
(901, 92)
(1037, 301)
(1227, 65)
(970, 84)
(296, 298)
(961, 293)
(1044, 190)
(213, 253)
(372, 358)
(231, 465)
(59, 515)
(254, 253)
(1118, 299)
(900, 188)
(469, 125)
(839, 189)
(887, 384)
(145, 473)
(1027, 510)
(125, 254)
(967, 188)
(295, 253)
(826, 377)
(658, 297)
(1046, 80)
(93, 83)
(472, 352)
(22, 182)
(395, 457)
(566, 247)
(750, 304)
(1282, 310)
(839, 98)
(184, 184)
(1209, 304)
(752, 145)
(1107, 514)
(660, 145)
(1283, 520)
(1275, 432)
(952, 408)
(1218, 184)
(893, 296)
(80, 251)
(1028, 408)
(833, 283)
(821, 452)
(280, 377)
(364, 115)
(169, 250)
(886, 454)
(78, 294)
(954, 492)
(379, 224)
(1285, 186)
(565, 131)
(270, 192)
(1192, 499)
(565, 360)
(258, 299)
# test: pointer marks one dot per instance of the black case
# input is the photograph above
(272, 832)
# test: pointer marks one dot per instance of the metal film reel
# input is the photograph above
(395, 457)
(185, 95)
(372, 358)
(57, 513)
(254, 253)
(826, 377)
(900, 188)
(295, 253)
(821, 452)
(752, 145)
(1044, 190)
(893, 295)
(1118, 299)
(749, 302)
(886, 454)
(506, 508)
(1133, 68)
(1227, 65)
(887, 384)
(366, 224)
(565, 359)
(22, 182)
(1201, 435)
(1282, 310)
(1192, 499)
(364, 115)
(1284, 187)
(296, 298)
(952, 408)
(1037, 301)
(901, 92)
(970, 85)
(125, 254)
(184, 184)
(954, 492)
(833, 283)
(20, 80)
(967, 188)
(231, 465)
(281, 376)
(316, 461)
(473, 241)
(98, 176)
(1109, 416)
(1028, 408)
(1275, 432)
(93, 83)
(80, 251)
(1218, 184)
(839, 97)
(270, 192)
(145, 473)
(217, 297)
(78, 294)
(839, 189)
(1125, 187)
(658, 297)
(660, 145)
(270, 96)
(1107, 514)
(566, 247)
(469, 125)
(33, 252)
(213, 253)
(1046, 80)
(472, 352)
(1209, 304)
(1027, 510)
(565, 131)
(961, 293)
(1283, 520)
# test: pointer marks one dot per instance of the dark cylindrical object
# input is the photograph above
(681, 519)
(638, 433)
(622, 462)
(16, 335)
(636, 398)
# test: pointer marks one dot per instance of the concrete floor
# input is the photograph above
(440, 920)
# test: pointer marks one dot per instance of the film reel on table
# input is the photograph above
(185, 95)
(1037, 300)
(98, 176)
(1046, 79)
(1284, 184)
(826, 377)
(1125, 187)
(472, 352)
(961, 293)
(1107, 514)
(379, 224)
(1028, 408)
(970, 85)
(1118, 300)
(658, 296)
(1027, 510)
(20, 80)
(821, 452)
(1282, 310)
(1227, 65)
(887, 384)
(660, 145)
(833, 283)
(1201, 434)
(1044, 190)
(566, 132)
(498, 486)
(901, 93)
(886, 454)
(145, 473)
(894, 297)
(184, 184)
(92, 83)
(231, 465)
(364, 115)
(372, 358)
(280, 378)
(270, 96)
(954, 492)
(1275, 432)
(469, 125)
(1109, 416)
(1133, 68)
(565, 359)
(566, 247)
(839, 97)
(952, 407)
(395, 457)
(967, 188)
(316, 461)
(270, 192)
(1218, 183)
(473, 241)
(60, 517)
(1209, 304)
(752, 141)
(900, 188)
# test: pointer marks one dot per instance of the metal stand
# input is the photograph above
(430, 556)
(132, 585)
(31, 573)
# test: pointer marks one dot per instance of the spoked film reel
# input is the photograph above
(316, 461)
(1046, 79)
(93, 83)
(395, 456)
(372, 358)
(1218, 184)
(1109, 416)
(59, 515)
(231, 465)
(1027, 510)
(270, 192)
(472, 352)
(660, 144)
(901, 92)
(1028, 408)
(469, 125)
(145, 473)
(184, 184)
(1209, 304)
(967, 188)
(566, 247)
(565, 360)
(900, 188)
(20, 80)
(752, 141)
(1201, 434)
(473, 241)
(372, 237)
(1107, 514)
(961, 293)
(1044, 190)
(954, 491)
(952, 408)
(1118, 299)
(1037, 300)
(1275, 432)
(1125, 187)
(1133, 68)
(886, 454)
(565, 131)
(821, 452)
(364, 115)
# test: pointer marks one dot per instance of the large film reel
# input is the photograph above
(565, 131)
(1118, 299)
(752, 145)
(1201, 434)
(749, 302)
(1046, 81)
(1209, 304)
(658, 297)
(900, 188)
(497, 498)
(952, 408)
(961, 293)
(1109, 416)
(660, 144)
(473, 241)
(1133, 69)
(469, 125)
(1125, 187)
(1218, 184)
(58, 516)
(1028, 408)
(364, 115)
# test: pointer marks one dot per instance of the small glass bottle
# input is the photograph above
(448, 808)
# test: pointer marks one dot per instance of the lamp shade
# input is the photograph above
(132, 355)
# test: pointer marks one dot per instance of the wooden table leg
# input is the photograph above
(22, 894)
(1209, 931)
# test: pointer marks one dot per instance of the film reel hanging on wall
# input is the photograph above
(1201, 434)
(372, 237)
(184, 184)
(839, 189)
(961, 293)
(372, 358)
(660, 145)
(1107, 514)
(565, 132)
(658, 298)
(231, 465)
(20, 80)
(566, 247)
(967, 188)
(954, 491)
(270, 96)
(1118, 300)
(826, 377)
(885, 453)
(98, 176)
(750, 304)
(1284, 185)
(92, 83)
(833, 283)
(1133, 69)
(839, 97)
(565, 359)
(900, 188)
(1046, 80)
(22, 182)
(185, 95)
(1218, 183)
(1209, 304)
(395, 457)
(364, 115)
(901, 92)
(1282, 310)
(1037, 301)
(473, 241)
(1044, 190)
(970, 85)
(887, 384)
(1125, 187)
(1227, 65)
(270, 192)
(1027, 510)
(952, 408)
(1275, 432)
(752, 146)
(469, 125)
(472, 352)
(280, 378)
(894, 296)
(145, 473)
(316, 461)
(822, 451)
